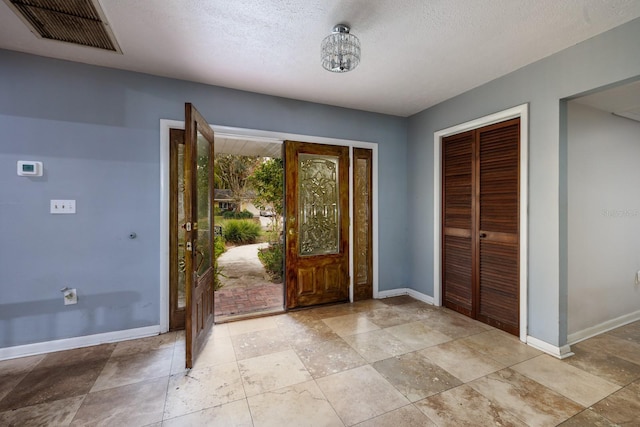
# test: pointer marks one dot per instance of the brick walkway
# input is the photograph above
(245, 300)
(246, 289)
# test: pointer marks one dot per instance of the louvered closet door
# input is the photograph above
(457, 214)
(480, 214)
(498, 213)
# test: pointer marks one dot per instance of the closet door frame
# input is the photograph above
(522, 112)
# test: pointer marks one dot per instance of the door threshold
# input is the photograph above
(247, 316)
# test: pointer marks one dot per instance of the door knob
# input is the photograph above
(483, 235)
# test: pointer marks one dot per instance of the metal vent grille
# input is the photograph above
(73, 21)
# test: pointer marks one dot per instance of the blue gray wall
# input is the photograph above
(97, 132)
(603, 218)
(603, 60)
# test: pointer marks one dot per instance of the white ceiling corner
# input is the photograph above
(415, 53)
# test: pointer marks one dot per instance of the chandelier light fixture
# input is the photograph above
(340, 51)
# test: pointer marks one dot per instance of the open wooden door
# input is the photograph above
(199, 240)
(316, 223)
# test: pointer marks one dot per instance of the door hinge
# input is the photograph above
(189, 246)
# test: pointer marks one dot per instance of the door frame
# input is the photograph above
(522, 112)
(254, 134)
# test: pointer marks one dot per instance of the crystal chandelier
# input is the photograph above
(340, 50)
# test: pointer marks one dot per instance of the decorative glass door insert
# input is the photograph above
(318, 205)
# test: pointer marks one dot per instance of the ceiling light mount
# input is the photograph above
(340, 50)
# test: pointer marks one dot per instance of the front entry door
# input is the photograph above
(199, 255)
(316, 223)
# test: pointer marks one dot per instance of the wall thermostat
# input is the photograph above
(29, 168)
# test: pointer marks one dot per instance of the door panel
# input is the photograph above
(317, 223)
(362, 224)
(198, 202)
(458, 203)
(480, 228)
(176, 231)
(498, 219)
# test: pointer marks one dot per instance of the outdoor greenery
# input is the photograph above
(268, 182)
(219, 248)
(232, 172)
(245, 214)
(271, 258)
(241, 231)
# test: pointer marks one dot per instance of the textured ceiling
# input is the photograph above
(415, 53)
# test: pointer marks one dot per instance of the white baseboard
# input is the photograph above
(555, 351)
(77, 342)
(603, 327)
(406, 291)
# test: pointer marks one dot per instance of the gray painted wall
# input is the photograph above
(603, 60)
(97, 132)
(604, 216)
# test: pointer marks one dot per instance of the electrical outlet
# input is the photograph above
(70, 297)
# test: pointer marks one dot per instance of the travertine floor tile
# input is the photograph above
(301, 331)
(391, 316)
(609, 344)
(251, 325)
(203, 388)
(463, 362)
(143, 345)
(526, 399)
(402, 299)
(453, 324)
(571, 382)
(606, 366)
(622, 407)
(630, 332)
(259, 343)
(377, 345)
(329, 357)
(14, 370)
(407, 416)
(588, 418)
(415, 376)
(217, 351)
(272, 371)
(234, 414)
(134, 368)
(417, 335)
(501, 347)
(350, 324)
(360, 394)
(59, 376)
(296, 405)
(463, 406)
(57, 413)
(134, 404)
(410, 347)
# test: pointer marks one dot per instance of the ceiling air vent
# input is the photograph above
(73, 21)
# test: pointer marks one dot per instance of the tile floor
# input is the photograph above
(395, 362)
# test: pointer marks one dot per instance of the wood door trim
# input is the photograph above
(364, 290)
(176, 314)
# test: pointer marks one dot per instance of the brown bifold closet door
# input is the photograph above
(480, 211)
(362, 224)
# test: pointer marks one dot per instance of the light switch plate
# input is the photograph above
(63, 206)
